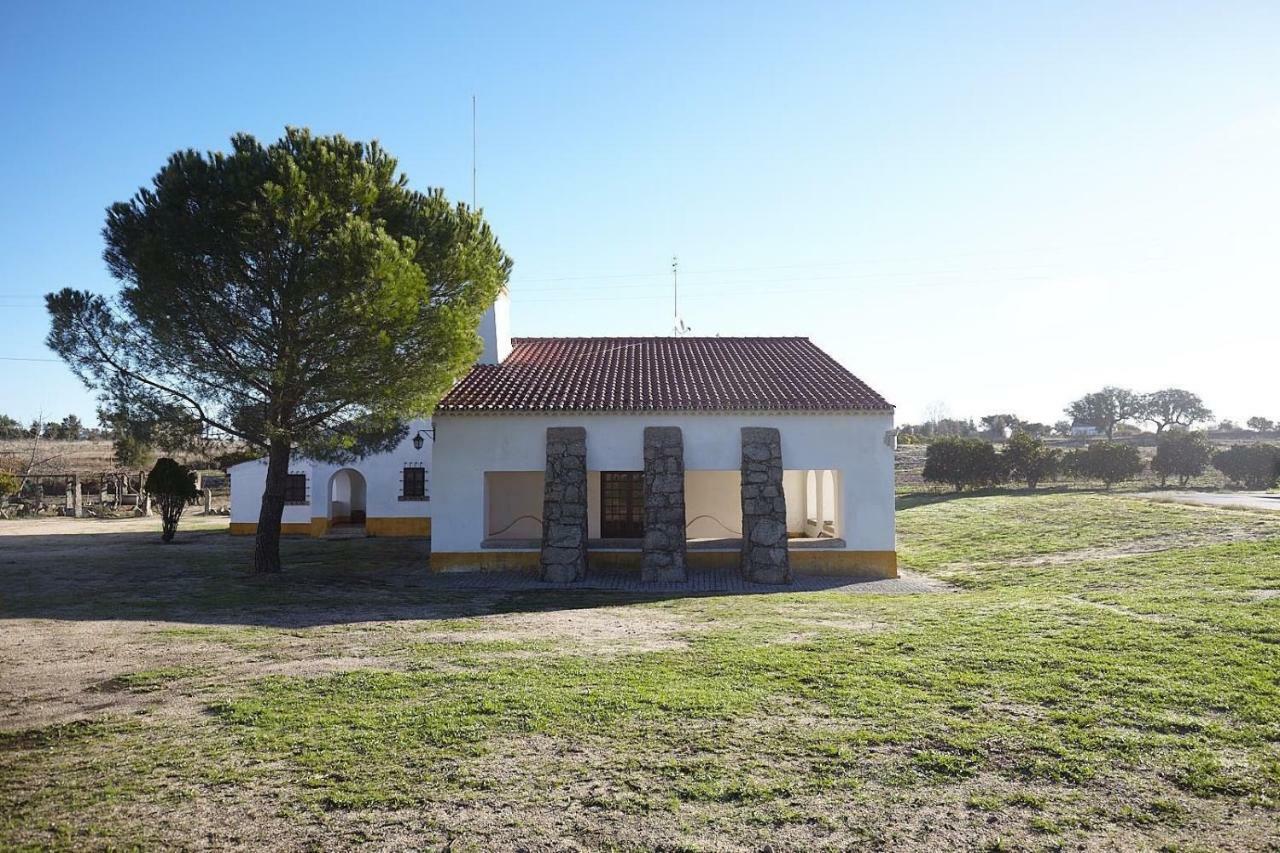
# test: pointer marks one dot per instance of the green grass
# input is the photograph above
(1068, 692)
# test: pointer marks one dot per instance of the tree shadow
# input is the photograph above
(206, 580)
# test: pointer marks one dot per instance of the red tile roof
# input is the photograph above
(661, 375)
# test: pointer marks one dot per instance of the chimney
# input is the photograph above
(495, 330)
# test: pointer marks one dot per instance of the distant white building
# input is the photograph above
(1085, 430)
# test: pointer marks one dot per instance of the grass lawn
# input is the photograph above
(1104, 672)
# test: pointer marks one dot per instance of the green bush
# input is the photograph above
(172, 484)
(963, 463)
(1253, 465)
(1183, 455)
(1028, 459)
(1105, 461)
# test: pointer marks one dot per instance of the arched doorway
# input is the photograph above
(347, 493)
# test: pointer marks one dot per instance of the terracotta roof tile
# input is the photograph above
(661, 375)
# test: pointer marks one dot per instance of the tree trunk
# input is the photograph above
(266, 546)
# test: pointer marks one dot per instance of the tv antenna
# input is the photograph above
(678, 327)
(473, 152)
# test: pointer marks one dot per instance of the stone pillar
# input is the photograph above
(764, 508)
(564, 506)
(67, 508)
(664, 545)
(77, 506)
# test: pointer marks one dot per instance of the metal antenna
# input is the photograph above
(473, 152)
(675, 296)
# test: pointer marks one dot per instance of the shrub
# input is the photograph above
(1253, 465)
(1105, 461)
(8, 484)
(1183, 455)
(1027, 459)
(963, 463)
(172, 484)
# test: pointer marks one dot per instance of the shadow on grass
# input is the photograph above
(206, 580)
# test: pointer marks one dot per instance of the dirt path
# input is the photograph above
(1230, 500)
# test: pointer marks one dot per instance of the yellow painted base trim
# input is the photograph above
(483, 561)
(319, 526)
(412, 526)
(287, 528)
(846, 564)
(851, 564)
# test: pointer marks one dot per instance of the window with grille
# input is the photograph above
(415, 483)
(622, 504)
(295, 489)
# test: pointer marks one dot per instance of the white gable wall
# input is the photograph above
(853, 444)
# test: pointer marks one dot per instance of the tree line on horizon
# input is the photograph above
(975, 463)
(1110, 410)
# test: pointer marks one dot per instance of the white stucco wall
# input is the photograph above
(851, 444)
(382, 474)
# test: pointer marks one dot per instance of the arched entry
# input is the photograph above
(347, 493)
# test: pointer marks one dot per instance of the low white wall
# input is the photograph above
(851, 444)
(712, 504)
(383, 475)
(513, 495)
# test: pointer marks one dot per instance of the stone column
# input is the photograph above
(764, 509)
(664, 545)
(77, 506)
(564, 505)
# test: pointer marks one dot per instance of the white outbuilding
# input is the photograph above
(383, 494)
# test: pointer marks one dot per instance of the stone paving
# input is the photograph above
(728, 581)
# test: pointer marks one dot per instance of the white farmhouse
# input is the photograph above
(567, 455)
(663, 454)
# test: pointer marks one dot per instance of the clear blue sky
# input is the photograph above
(988, 207)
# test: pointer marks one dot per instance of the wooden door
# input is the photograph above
(622, 504)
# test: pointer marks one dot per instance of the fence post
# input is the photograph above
(77, 508)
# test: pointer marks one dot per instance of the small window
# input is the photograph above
(295, 489)
(415, 482)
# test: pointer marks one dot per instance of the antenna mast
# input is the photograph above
(675, 296)
(473, 152)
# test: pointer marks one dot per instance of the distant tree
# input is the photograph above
(297, 296)
(1182, 454)
(1257, 423)
(995, 425)
(1106, 408)
(1062, 427)
(1105, 461)
(72, 428)
(173, 485)
(963, 463)
(1172, 406)
(1228, 425)
(1028, 459)
(1037, 430)
(10, 428)
(130, 452)
(1254, 466)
